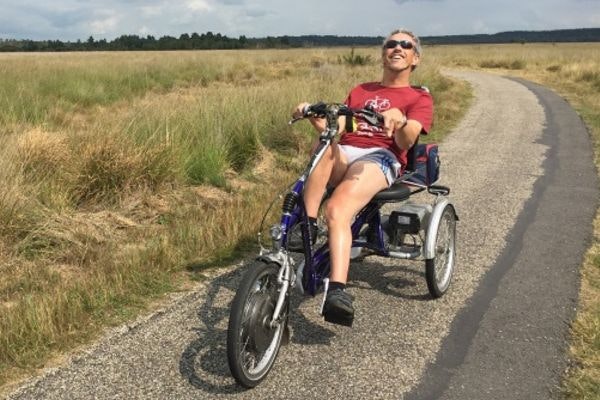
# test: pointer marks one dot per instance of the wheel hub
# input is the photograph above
(260, 313)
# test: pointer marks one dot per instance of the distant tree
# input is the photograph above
(30, 45)
(270, 42)
(167, 43)
(56, 45)
(90, 44)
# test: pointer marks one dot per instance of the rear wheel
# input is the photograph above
(252, 342)
(439, 269)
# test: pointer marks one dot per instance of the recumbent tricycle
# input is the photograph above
(261, 306)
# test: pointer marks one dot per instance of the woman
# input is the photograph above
(368, 159)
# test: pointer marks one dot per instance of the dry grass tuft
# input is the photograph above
(42, 152)
(74, 238)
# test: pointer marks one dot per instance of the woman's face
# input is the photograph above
(399, 52)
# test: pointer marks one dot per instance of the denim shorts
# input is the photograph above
(385, 159)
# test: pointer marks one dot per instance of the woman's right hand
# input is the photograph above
(298, 112)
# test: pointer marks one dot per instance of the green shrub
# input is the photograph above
(354, 59)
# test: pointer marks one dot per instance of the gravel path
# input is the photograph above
(491, 162)
(511, 338)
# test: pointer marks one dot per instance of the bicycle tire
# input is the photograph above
(252, 345)
(439, 269)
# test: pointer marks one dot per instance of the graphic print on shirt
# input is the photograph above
(378, 104)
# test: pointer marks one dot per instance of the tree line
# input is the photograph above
(210, 40)
(185, 41)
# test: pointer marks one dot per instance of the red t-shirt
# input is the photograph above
(415, 103)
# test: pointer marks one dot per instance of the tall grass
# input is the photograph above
(125, 174)
(41, 88)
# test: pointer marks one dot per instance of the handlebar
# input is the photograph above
(331, 111)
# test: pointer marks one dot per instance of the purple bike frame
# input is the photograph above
(317, 262)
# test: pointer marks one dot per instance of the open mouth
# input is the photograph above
(396, 57)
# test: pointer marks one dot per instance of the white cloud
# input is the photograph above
(199, 5)
(152, 10)
(144, 31)
(480, 27)
(106, 25)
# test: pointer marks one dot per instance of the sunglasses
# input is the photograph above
(405, 44)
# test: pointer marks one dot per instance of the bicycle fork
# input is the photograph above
(284, 280)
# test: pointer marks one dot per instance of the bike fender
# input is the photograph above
(271, 258)
(432, 229)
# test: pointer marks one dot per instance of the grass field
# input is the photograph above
(125, 175)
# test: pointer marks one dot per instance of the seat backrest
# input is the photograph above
(412, 154)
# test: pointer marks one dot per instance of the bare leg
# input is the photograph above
(330, 169)
(360, 183)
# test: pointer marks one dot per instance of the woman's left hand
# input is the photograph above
(393, 119)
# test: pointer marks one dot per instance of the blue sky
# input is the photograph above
(78, 19)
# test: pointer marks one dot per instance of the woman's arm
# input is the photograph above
(404, 131)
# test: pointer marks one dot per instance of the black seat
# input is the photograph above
(399, 191)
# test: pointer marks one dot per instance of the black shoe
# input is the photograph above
(338, 307)
(295, 242)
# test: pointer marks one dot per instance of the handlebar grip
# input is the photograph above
(306, 109)
(315, 109)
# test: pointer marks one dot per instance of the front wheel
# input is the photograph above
(438, 270)
(252, 341)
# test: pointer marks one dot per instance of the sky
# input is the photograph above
(69, 20)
